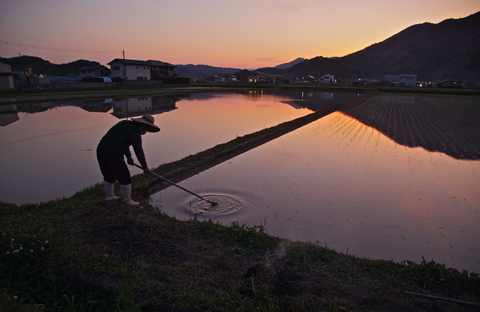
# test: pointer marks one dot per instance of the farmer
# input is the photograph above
(112, 148)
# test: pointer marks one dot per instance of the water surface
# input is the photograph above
(47, 150)
(355, 187)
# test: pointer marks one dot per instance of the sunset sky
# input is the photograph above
(223, 33)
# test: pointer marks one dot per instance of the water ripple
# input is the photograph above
(227, 205)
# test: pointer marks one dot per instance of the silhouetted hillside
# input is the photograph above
(447, 50)
(40, 66)
(290, 64)
(202, 71)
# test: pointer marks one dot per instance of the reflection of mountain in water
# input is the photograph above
(438, 124)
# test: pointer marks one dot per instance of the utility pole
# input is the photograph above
(124, 66)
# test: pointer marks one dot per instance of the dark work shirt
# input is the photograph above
(120, 137)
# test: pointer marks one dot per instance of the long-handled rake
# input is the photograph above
(172, 183)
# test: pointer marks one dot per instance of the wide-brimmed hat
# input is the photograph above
(149, 121)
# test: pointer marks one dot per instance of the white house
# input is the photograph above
(402, 80)
(327, 79)
(141, 70)
(130, 69)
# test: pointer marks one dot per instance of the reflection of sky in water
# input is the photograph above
(346, 185)
(52, 153)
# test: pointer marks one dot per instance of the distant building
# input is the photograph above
(327, 79)
(276, 79)
(308, 79)
(159, 70)
(402, 80)
(130, 69)
(6, 76)
(346, 81)
(450, 84)
(94, 71)
(424, 84)
(251, 76)
(216, 79)
(141, 70)
(256, 77)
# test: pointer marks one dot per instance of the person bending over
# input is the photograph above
(115, 146)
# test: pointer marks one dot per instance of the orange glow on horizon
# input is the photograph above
(247, 34)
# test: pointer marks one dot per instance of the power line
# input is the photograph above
(52, 49)
(47, 42)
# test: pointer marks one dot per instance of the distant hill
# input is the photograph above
(205, 71)
(40, 66)
(290, 64)
(435, 52)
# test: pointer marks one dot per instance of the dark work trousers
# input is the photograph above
(113, 167)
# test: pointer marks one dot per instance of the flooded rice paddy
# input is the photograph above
(48, 149)
(392, 177)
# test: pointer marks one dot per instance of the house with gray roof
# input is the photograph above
(94, 71)
(159, 70)
(141, 70)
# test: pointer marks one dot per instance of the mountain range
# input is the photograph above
(41, 66)
(435, 52)
(290, 64)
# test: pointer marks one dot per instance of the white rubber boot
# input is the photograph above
(126, 192)
(109, 191)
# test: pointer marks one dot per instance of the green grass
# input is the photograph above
(43, 269)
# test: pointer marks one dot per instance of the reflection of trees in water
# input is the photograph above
(438, 124)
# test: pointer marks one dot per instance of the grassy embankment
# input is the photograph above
(82, 254)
